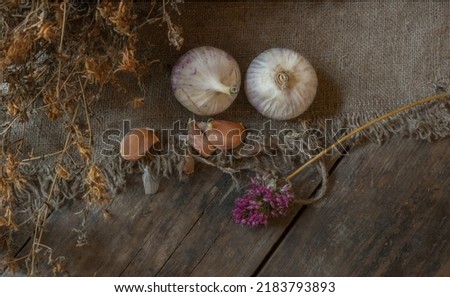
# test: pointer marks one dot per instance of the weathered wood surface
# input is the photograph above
(172, 232)
(216, 246)
(136, 219)
(388, 214)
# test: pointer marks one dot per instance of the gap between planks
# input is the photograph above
(387, 215)
(296, 218)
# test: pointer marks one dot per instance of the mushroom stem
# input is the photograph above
(281, 79)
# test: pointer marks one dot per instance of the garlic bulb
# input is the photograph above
(280, 83)
(206, 80)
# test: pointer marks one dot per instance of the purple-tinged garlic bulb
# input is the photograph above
(280, 83)
(206, 80)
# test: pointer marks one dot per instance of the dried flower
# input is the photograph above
(270, 197)
(175, 35)
(49, 53)
(119, 16)
(58, 265)
(137, 102)
(62, 172)
(84, 150)
(53, 112)
(12, 108)
(19, 49)
(267, 197)
(174, 32)
(12, 172)
(97, 193)
(47, 31)
(128, 62)
(97, 69)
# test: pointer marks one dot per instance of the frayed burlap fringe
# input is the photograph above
(280, 155)
(429, 122)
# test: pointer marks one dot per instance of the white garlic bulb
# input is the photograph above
(280, 83)
(206, 80)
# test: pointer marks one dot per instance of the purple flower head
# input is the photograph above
(266, 198)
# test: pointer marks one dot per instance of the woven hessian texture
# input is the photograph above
(370, 57)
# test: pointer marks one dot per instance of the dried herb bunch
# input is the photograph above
(55, 60)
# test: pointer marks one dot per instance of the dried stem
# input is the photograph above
(48, 51)
(41, 157)
(86, 110)
(63, 29)
(43, 211)
(365, 126)
(64, 4)
(28, 105)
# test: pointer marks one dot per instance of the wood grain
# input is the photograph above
(136, 219)
(218, 247)
(171, 233)
(387, 214)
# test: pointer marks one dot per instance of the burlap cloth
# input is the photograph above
(370, 57)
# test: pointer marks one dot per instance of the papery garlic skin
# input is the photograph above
(280, 83)
(151, 183)
(206, 80)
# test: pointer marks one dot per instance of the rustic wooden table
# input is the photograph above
(386, 214)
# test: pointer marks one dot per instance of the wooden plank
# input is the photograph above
(206, 187)
(19, 239)
(177, 227)
(215, 246)
(136, 219)
(387, 214)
